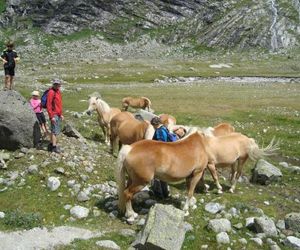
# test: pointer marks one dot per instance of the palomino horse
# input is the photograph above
(125, 129)
(170, 162)
(233, 150)
(141, 102)
(105, 114)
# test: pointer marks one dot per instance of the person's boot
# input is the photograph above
(50, 146)
(56, 149)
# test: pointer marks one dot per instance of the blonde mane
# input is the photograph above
(104, 107)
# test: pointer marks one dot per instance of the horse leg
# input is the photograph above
(192, 182)
(129, 192)
(213, 171)
(239, 167)
(202, 183)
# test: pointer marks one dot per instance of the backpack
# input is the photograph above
(45, 97)
(171, 137)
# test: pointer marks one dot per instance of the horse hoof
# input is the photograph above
(220, 191)
(194, 207)
(231, 190)
(186, 213)
(130, 220)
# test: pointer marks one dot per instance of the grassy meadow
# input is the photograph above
(259, 110)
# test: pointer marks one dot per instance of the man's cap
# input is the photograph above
(155, 120)
(56, 81)
(35, 93)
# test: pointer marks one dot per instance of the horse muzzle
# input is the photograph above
(89, 112)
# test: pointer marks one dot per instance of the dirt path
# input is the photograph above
(42, 238)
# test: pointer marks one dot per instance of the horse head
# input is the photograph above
(92, 104)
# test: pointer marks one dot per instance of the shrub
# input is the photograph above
(19, 219)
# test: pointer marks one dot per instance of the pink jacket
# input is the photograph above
(36, 105)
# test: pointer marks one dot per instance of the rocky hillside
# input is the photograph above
(271, 24)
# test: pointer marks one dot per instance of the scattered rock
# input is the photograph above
(258, 241)
(2, 215)
(53, 183)
(219, 225)
(60, 170)
(280, 224)
(107, 244)
(162, 218)
(292, 221)
(33, 169)
(292, 242)
(82, 196)
(243, 241)
(213, 207)
(264, 225)
(70, 131)
(264, 173)
(79, 212)
(223, 238)
(238, 226)
(128, 232)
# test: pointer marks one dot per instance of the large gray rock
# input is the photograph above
(213, 207)
(222, 238)
(107, 244)
(264, 173)
(292, 221)
(79, 212)
(219, 225)
(264, 225)
(18, 124)
(164, 229)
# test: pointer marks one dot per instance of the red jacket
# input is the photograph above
(54, 103)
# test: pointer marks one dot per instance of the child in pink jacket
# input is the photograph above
(35, 103)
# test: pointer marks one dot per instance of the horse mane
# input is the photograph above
(103, 105)
(149, 102)
(149, 131)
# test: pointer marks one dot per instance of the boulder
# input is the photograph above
(292, 221)
(164, 229)
(18, 123)
(264, 173)
(219, 225)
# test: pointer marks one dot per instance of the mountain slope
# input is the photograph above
(271, 24)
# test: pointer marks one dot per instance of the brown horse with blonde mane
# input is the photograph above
(125, 129)
(233, 150)
(170, 162)
(141, 102)
(105, 114)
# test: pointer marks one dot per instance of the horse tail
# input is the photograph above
(147, 102)
(256, 153)
(120, 175)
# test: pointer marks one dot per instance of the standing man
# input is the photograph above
(9, 58)
(54, 109)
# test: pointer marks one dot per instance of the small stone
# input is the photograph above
(60, 170)
(243, 241)
(213, 207)
(204, 247)
(292, 242)
(71, 183)
(141, 222)
(280, 224)
(82, 196)
(258, 241)
(67, 207)
(223, 238)
(53, 183)
(219, 225)
(2, 215)
(33, 169)
(107, 244)
(238, 226)
(127, 232)
(292, 221)
(79, 212)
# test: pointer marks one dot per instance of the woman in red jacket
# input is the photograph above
(54, 109)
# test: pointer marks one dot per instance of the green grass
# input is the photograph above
(2, 5)
(261, 111)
